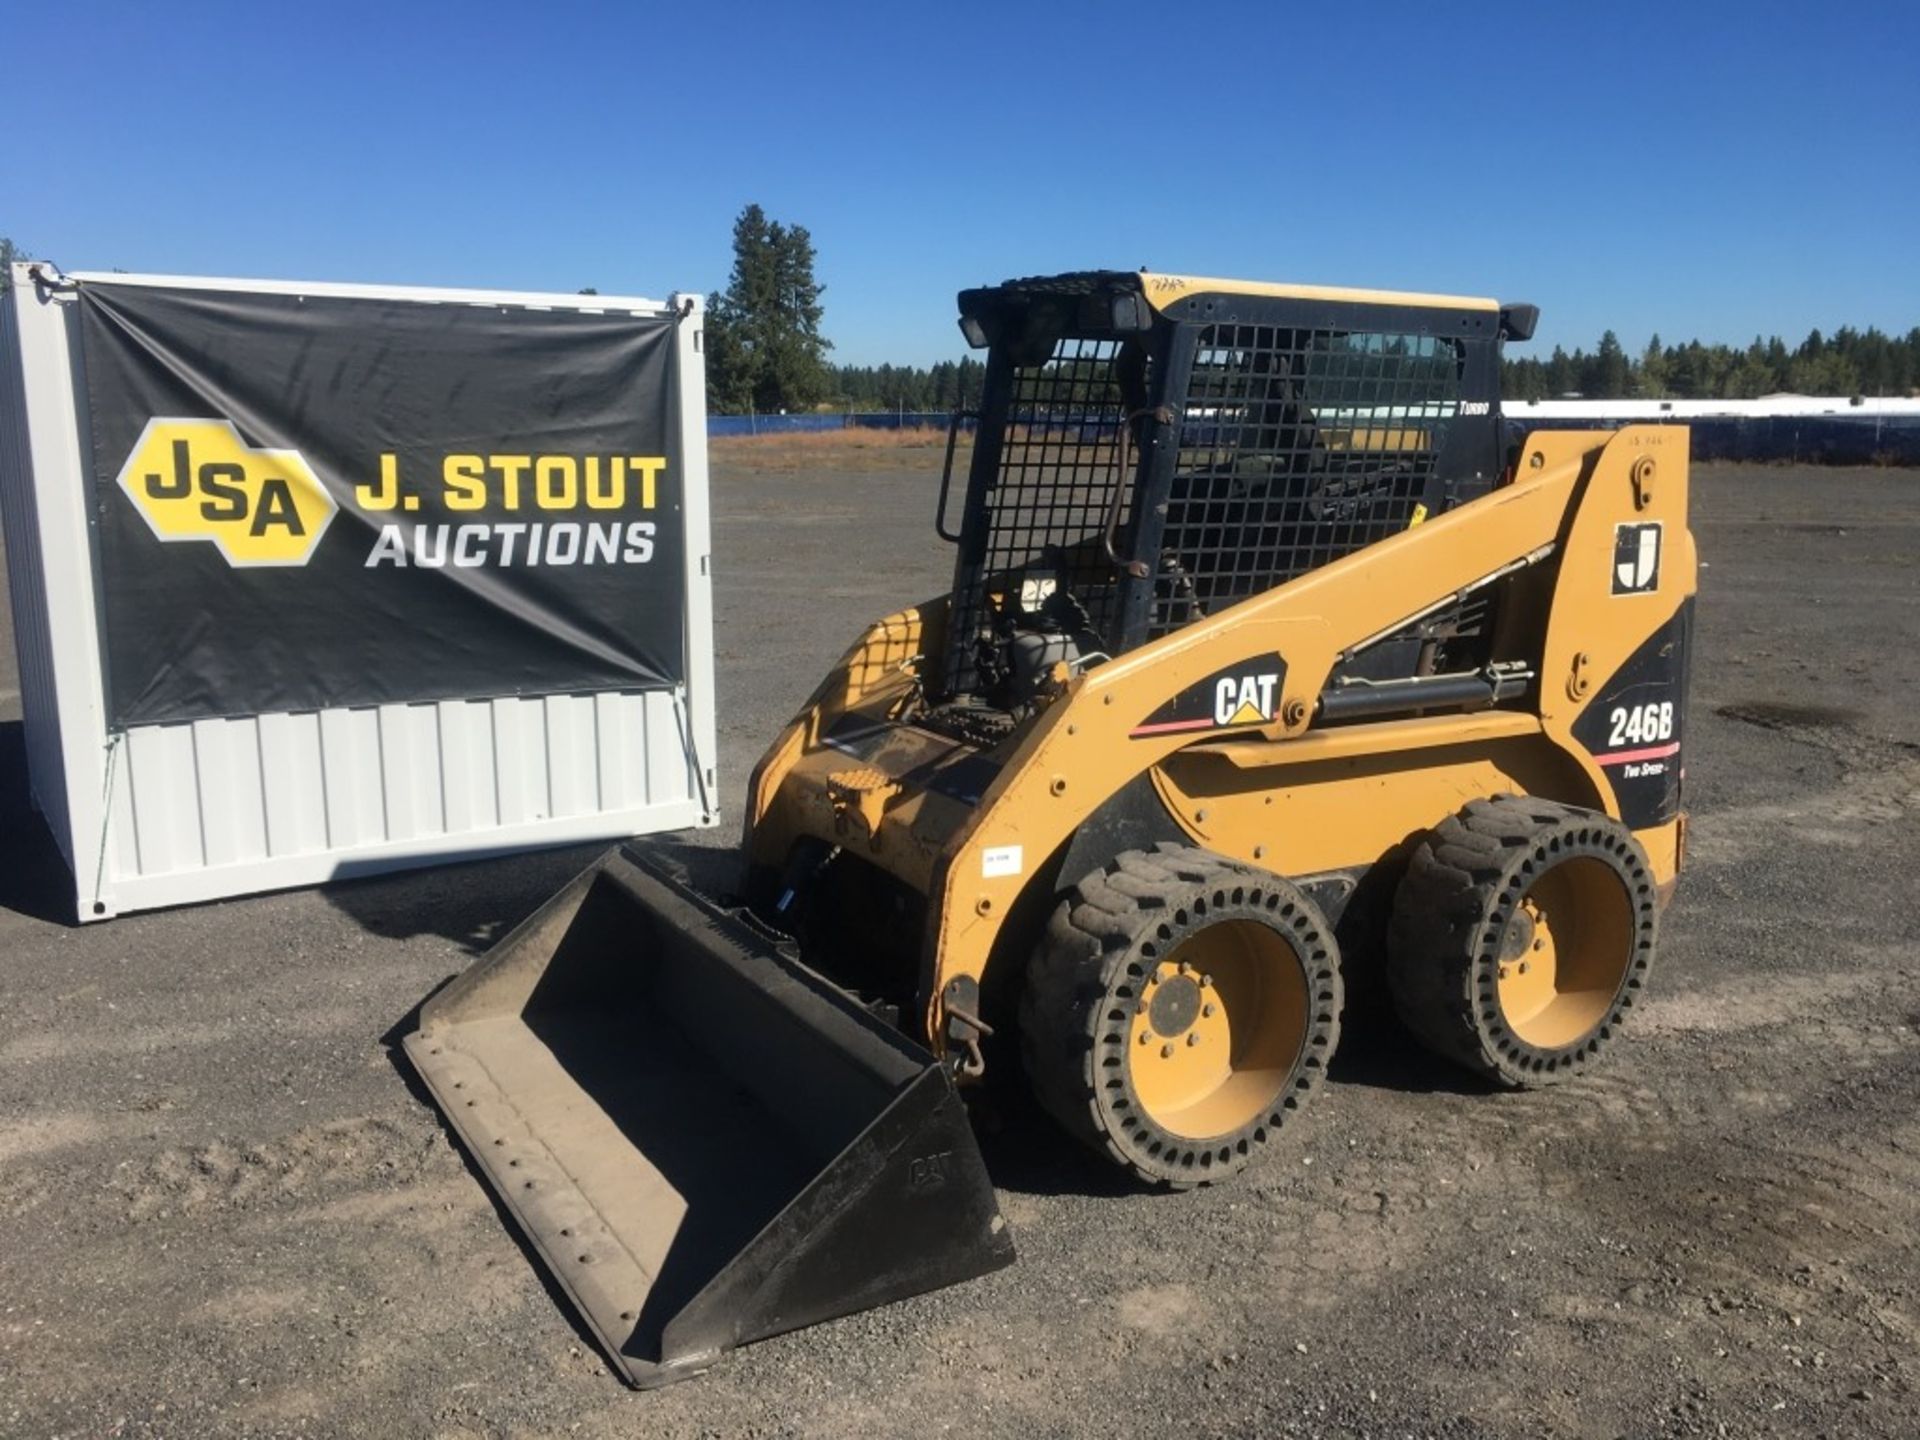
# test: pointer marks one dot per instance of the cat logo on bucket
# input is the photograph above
(198, 480)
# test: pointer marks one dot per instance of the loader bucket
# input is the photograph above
(706, 1142)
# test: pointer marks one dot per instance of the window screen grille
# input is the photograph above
(1047, 508)
(1296, 447)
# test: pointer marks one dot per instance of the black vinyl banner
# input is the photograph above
(312, 501)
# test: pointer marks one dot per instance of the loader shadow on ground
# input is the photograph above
(1377, 1053)
(33, 877)
(476, 903)
(1026, 1153)
(473, 904)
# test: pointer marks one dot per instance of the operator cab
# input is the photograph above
(1154, 449)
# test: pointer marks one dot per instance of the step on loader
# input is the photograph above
(1269, 641)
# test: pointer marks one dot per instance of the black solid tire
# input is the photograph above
(1079, 998)
(1450, 923)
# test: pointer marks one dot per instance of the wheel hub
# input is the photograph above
(1527, 973)
(1175, 1005)
(1215, 1030)
(1182, 1042)
(1564, 955)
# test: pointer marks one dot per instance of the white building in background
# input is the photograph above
(1767, 407)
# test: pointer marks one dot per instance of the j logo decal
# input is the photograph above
(1636, 558)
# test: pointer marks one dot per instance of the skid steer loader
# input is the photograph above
(1265, 642)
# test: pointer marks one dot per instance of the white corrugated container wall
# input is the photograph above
(171, 814)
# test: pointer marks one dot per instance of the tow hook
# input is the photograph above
(965, 1028)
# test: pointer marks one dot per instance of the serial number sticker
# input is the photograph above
(997, 861)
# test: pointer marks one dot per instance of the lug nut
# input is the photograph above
(1166, 1052)
(1206, 1011)
(1193, 1037)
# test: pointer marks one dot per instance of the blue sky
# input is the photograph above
(1699, 170)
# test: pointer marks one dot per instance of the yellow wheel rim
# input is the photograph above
(1566, 952)
(1219, 1026)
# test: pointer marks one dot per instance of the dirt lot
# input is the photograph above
(224, 1209)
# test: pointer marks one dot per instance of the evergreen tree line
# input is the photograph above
(948, 386)
(1848, 362)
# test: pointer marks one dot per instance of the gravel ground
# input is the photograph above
(225, 1208)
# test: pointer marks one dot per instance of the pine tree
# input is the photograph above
(1562, 376)
(1610, 368)
(765, 351)
(1653, 370)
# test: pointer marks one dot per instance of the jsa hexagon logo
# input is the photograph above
(198, 480)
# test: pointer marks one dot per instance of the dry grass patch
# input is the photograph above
(854, 449)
